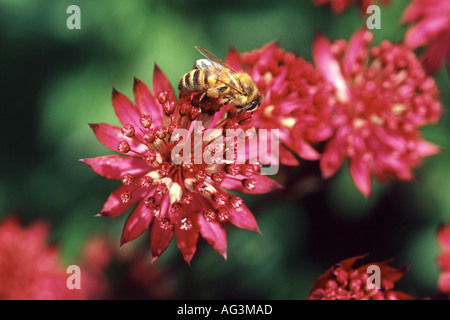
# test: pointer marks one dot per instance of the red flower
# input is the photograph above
(121, 274)
(30, 269)
(383, 97)
(344, 282)
(295, 99)
(431, 31)
(443, 260)
(185, 198)
(339, 6)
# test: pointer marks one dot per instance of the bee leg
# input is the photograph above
(204, 97)
(213, 92)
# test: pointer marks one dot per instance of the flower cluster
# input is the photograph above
(365, 104)
(184, 198)
(295, 99)
(345, 282)
(30, 269)
(383, 96)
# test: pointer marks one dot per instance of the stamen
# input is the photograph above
(128, 131)
(249, 184)
(209, 215)
(125, 196)
(186, 224)
(127, 179)
(146, 121)
(123, 147)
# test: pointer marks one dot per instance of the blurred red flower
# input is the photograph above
(295, 99)
(431, 30)
(110, 273)
(345, 282)
(383, 97)
(186, 198)
(30, 269)
(339, 6)
(443, 260)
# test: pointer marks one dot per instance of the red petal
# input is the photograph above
(125, 110)
(233, 59)
(286, 157)
(443, 237)
(187, 241)
(332, 158)
(114, 166)
(161, 84)
(262, 184)
(305, 150)
(434, 54)
(159, 240)
(146, 102)
(356, 47)
(443, 259)
(138, 221)
(359, 170)
(425, 31)
(114, 206)
(243, 218)
(444, 282)
(110, 136)
(329, 66)
(214, 234)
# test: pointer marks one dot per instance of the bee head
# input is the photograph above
(254, 104)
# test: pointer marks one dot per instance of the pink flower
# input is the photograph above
(30, 269)
(383, 97)
(345, 282)
(432, 31)
(295, 99)
(339, 6)
(443, 260)
(185, 199)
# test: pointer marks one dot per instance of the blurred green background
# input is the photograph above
(55, 81)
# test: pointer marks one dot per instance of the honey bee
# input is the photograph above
(217, 80)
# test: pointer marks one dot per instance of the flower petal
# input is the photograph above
(146, 102)
(360, 172)
(332, 158)
(444, 282)
(355, 49)
(243, 218)
(329, 66)
(286, 157)
(434, 54)
(111, 136)
(443, 237)
(161, 85)
(125, 110)
(426, 30)
(305, 150)
(187, 241)
(261, 184)
(214, 234)
(137, 222)
(114, 166)
(159, 240)
(114, 206)
(233, 59)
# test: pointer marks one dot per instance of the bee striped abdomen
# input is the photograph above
(195, 80)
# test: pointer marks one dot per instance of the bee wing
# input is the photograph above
(218, 67)
(213, 58)
(206, 63)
